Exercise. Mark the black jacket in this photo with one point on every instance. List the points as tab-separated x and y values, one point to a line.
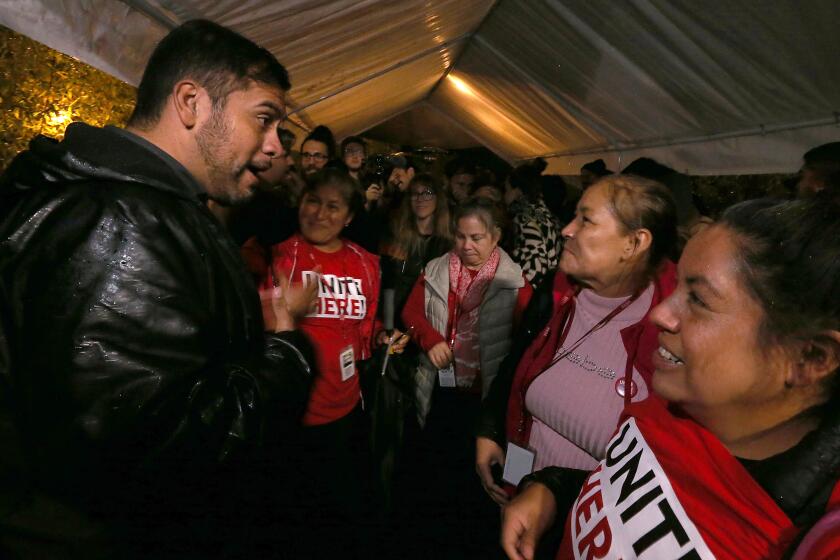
138	391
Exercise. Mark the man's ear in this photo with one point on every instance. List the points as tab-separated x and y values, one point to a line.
816	359
410	173
185	98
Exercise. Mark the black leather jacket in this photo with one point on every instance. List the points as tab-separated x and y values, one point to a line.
135	376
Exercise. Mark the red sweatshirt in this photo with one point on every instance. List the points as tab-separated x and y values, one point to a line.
345	318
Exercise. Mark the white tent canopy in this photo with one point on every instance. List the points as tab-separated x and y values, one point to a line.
715	87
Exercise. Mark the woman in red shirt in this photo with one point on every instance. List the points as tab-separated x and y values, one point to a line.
341	328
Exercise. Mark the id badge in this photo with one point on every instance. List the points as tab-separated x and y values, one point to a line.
519	462
446	376
347	363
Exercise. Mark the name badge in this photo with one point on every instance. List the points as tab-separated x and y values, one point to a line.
347	363
519	462
446	376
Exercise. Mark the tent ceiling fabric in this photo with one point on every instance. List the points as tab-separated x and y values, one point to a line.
424	125
712	87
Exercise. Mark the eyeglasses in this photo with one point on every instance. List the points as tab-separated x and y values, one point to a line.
354	152
421	196
316	155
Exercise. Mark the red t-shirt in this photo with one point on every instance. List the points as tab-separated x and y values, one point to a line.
347	298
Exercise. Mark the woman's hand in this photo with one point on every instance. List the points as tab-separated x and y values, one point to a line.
440	355
525	520
399	338
487	454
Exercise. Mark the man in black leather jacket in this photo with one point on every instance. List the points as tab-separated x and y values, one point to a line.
143	403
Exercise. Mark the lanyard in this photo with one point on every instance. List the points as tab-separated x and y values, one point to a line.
456	314
599	325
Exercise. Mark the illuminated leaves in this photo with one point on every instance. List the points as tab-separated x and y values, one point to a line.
42	91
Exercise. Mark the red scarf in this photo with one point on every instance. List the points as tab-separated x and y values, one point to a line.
469	292
668	488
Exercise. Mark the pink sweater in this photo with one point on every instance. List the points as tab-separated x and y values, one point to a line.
575	403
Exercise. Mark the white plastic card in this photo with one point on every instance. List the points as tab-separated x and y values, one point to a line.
519	462
446	376
347	363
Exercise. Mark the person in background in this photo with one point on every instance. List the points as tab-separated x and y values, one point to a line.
820	171
462	313
556	197
316	150
585	348
742	460
460	175
420	232
403	170
591	172
487	186
689	219
535	241
145	402
342	328
354	153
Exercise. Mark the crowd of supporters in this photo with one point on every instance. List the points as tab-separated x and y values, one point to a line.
212	347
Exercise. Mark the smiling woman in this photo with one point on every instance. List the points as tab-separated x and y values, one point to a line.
342	328
748	361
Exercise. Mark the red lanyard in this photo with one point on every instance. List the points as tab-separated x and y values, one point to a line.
456	313
599	325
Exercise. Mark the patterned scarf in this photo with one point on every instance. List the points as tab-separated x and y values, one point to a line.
469	292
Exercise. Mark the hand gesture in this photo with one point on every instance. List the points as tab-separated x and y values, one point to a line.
284	304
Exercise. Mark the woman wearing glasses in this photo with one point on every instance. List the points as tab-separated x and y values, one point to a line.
420	232
462	313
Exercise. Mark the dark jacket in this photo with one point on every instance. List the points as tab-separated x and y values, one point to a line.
136	382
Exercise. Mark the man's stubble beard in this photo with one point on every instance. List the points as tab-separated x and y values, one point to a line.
212	141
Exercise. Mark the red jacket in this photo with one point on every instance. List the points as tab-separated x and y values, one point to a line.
640	341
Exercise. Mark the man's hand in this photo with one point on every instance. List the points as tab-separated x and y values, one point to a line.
284	305
440	355
373	193
525	520
487	454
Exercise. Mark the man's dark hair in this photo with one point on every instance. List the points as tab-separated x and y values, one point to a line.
218	59
459	166
526	178
824	161
353	140
323	134
597	167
